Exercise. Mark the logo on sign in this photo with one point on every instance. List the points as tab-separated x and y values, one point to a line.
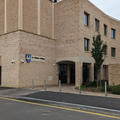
28	58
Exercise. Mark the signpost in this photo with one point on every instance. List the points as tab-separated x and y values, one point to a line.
106	88
79	87
60	86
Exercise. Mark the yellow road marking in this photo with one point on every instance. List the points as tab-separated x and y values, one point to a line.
62	108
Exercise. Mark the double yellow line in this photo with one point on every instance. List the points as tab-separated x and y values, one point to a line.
61	107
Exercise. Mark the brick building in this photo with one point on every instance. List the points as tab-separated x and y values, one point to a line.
57	36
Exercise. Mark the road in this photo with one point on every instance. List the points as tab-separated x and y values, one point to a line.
12	109
95	101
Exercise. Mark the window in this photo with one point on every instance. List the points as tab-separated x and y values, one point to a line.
86	19
105	51
113	33
96	25
86	44
113	52
105	29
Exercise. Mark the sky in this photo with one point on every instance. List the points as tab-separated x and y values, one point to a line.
110	7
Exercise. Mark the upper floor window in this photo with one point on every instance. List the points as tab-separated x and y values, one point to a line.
86	44
105	51
105	29
97	25
113	52
86	19
113	33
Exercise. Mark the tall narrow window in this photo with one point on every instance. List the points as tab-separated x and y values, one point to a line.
105	29
105	51
96	25
113	33
113	52
86	19
86	44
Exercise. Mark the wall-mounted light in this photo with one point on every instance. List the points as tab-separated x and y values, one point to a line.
53	1
13	61
54	65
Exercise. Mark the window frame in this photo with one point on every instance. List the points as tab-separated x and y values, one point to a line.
86	48
106	51
105	29
97	25
86	19
113	54
113	33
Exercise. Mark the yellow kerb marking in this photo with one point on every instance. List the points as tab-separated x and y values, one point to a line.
62	108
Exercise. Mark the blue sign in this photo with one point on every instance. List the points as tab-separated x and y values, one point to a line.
28	58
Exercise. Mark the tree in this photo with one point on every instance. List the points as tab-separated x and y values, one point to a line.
98	54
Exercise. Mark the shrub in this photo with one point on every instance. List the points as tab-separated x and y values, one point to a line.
94	83
112	89
89	84
102	83
115	89
103	88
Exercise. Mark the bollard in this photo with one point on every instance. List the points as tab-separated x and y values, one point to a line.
79	87
60	86
32	84
45	85
105	88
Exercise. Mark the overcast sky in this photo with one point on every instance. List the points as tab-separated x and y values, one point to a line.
110	7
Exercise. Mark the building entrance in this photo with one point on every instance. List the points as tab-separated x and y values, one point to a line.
86	71
67	72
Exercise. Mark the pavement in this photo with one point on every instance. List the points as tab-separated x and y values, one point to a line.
65	89
14	92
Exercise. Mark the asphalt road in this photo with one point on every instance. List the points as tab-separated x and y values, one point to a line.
103	102
17	110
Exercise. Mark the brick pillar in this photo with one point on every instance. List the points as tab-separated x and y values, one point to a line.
68	74
91	73
78	72
57	73
102	73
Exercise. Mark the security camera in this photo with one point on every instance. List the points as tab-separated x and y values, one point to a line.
22	61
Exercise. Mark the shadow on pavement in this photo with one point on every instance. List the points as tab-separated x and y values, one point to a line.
5	88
